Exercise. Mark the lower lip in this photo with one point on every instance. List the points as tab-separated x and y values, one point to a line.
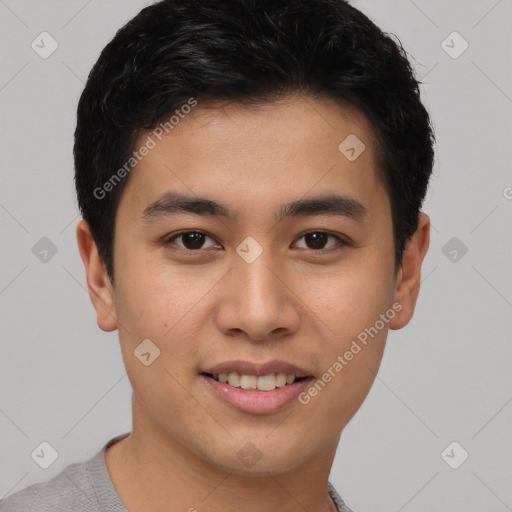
257	402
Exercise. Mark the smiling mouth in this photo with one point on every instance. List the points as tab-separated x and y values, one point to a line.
268	382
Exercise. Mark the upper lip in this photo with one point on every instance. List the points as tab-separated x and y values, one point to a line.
258	369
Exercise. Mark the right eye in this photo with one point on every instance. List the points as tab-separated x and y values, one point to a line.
190	240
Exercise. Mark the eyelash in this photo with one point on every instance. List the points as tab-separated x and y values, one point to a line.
341	242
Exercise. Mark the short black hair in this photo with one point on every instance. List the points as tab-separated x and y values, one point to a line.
250	52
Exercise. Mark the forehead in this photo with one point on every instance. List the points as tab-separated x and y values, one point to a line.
260	154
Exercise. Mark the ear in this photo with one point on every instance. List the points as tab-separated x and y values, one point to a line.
408	279
100	289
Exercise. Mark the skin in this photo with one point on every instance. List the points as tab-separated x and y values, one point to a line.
289	304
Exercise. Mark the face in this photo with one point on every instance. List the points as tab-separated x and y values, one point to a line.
289	275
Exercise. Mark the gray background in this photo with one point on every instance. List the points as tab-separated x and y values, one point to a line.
445	377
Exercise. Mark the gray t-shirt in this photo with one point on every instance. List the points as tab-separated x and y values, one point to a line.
85	487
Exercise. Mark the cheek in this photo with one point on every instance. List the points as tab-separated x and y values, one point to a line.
152	297
349	372
348	300
151	307
361	330
163	305
351	305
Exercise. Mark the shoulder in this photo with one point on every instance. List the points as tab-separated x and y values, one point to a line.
80	487
340	504
71	489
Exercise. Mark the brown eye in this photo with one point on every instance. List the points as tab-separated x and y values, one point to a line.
191	240
317	240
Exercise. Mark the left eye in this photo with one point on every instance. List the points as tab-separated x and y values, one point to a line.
318	239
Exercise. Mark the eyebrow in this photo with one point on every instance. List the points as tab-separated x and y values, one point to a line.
174	203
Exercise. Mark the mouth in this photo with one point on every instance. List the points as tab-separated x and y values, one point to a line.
265	383
256	388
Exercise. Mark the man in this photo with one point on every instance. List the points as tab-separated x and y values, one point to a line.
250	175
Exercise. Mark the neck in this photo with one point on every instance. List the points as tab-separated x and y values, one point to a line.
154	473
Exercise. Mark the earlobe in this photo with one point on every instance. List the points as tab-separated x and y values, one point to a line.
99	286
409	276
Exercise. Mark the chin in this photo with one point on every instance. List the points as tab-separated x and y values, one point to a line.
260	456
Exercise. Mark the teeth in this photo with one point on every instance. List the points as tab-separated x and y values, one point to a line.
251	382
234	379
248	381
281	380
267	383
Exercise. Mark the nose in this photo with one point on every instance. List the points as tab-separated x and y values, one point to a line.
258	303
